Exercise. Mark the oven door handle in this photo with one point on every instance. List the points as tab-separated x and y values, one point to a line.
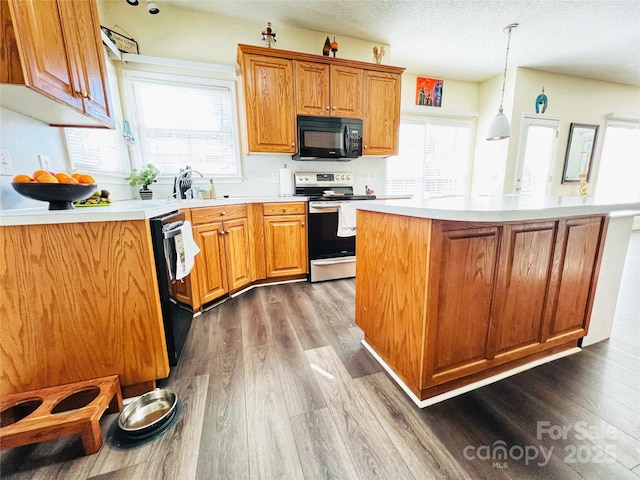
333	262
328	208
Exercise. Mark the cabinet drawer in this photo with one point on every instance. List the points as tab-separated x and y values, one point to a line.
213	214
283	208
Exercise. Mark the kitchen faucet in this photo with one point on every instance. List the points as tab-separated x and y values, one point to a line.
183	179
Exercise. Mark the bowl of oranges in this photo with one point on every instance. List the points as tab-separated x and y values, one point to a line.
59	189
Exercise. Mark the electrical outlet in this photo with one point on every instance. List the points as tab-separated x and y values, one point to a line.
275	178
366	177
45	162
5	162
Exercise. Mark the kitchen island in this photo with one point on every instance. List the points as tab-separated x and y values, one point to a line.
454	293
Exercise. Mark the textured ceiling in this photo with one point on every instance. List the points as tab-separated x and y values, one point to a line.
464	39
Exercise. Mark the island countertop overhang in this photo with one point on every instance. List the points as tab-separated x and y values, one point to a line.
506	208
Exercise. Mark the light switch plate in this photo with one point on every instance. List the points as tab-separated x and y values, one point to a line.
45	162
5	162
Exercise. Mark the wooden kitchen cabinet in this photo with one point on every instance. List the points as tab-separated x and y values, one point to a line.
54	58
472	299
223	264
381	113
328	90
356	89
285	234
270	112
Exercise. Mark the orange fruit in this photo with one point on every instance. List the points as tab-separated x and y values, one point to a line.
22	178
37	173
66	179
61	175
47	178
76	175
86	179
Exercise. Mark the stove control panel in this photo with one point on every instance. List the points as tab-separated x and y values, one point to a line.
315	179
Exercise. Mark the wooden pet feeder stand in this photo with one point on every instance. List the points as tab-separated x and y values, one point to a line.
39	415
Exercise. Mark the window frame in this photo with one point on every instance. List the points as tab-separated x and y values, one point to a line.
442	121
116	133
135	152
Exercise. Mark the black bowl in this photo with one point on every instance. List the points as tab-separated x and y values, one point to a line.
59	195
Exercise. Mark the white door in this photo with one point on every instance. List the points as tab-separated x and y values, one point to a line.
536	155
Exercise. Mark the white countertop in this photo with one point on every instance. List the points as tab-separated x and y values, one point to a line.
124	210
502	208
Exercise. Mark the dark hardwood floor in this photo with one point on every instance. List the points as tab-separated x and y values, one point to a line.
275	384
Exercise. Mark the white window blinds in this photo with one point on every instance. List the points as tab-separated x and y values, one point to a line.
181	121
100	150
433	158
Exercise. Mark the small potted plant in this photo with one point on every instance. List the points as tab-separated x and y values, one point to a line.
145	177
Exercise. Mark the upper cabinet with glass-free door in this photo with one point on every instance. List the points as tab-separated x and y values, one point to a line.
328	90
53	67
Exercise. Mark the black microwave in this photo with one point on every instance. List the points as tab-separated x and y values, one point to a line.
328	138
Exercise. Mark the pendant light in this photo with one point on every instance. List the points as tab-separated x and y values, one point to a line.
500	128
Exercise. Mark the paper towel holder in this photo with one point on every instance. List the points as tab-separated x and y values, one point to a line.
286	182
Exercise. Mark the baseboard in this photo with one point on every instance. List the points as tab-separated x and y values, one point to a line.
472	386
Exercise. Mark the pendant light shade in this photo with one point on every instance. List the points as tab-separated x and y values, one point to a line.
500	128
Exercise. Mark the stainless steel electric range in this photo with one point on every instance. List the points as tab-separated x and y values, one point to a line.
330	256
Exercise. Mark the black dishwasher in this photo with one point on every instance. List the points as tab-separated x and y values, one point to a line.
176	316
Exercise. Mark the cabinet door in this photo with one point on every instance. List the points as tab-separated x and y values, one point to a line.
236	234
575	272
271	117
87	54
346	92
211	271
312	89
285	245
521	287
42	37
381	114
462	276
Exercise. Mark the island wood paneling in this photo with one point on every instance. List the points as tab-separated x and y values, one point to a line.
580	248
391	273
256	241
463	265
521	286
79	301
479	298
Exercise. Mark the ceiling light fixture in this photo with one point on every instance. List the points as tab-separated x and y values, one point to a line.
500	128
133	2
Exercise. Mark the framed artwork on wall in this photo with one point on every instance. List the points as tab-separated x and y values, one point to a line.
429	91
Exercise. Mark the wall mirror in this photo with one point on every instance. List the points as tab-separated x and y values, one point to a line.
580	147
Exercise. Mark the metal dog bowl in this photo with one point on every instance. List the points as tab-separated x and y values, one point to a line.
148	413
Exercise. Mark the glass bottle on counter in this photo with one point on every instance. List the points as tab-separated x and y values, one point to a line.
212	189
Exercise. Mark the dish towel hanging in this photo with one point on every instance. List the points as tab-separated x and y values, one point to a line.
346	220
179	248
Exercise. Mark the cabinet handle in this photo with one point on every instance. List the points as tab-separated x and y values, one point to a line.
284	209
293	144
81	93
302	224
366	146
328	107
223	214
227	232
221	232
334	107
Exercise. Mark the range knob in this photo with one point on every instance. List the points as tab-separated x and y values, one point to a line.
348	177
306	178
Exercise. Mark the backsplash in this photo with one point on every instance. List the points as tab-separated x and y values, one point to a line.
27	138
